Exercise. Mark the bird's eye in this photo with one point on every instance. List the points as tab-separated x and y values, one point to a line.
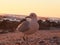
32	15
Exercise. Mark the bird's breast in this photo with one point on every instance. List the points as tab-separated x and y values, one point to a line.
34	25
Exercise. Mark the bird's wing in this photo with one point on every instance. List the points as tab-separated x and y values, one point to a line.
23	27
22	20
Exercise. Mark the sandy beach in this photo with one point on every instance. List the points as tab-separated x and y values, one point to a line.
36	37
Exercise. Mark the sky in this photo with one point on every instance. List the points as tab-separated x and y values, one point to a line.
45	8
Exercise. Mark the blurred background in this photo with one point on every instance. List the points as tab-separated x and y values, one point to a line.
9	23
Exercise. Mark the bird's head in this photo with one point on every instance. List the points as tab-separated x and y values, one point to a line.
32	16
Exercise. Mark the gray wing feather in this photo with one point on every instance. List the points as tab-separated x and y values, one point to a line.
23	27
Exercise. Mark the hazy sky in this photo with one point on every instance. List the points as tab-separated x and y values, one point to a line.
49	8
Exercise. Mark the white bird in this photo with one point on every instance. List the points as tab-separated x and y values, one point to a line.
29	26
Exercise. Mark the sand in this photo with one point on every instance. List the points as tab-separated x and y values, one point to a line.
17	38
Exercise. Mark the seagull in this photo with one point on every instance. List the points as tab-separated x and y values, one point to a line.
30	25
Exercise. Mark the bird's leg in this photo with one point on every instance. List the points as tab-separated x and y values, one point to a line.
25	38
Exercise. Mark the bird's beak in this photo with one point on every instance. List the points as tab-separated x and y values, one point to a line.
27	17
